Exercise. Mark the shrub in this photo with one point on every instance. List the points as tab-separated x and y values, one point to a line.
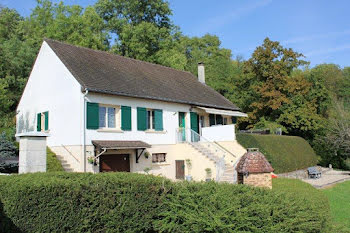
71	202
53	164
285	153
8	155
212	207
7	148
126	202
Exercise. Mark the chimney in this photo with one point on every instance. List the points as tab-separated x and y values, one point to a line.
201	73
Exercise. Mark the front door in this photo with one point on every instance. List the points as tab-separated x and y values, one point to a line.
180	169
115	163
182	126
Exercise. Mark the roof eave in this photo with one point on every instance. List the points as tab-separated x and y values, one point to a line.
160	99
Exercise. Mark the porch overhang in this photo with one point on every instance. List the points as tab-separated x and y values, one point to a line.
119	145
223	112
102	146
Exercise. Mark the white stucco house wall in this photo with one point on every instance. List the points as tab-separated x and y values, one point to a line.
106	112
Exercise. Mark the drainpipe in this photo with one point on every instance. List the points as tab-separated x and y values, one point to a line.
84	129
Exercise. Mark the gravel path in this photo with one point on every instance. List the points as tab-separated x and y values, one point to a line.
329	177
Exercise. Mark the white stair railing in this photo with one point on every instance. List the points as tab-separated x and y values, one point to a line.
218	152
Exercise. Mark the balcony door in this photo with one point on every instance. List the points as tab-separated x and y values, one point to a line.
182	126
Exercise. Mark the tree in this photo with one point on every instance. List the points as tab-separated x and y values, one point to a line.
219	67
138	27
7	149
334	145
70	24
270	67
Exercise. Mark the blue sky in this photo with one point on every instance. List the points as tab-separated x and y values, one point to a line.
320	29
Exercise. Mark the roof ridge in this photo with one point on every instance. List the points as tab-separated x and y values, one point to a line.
118	55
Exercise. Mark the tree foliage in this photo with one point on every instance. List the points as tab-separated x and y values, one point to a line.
274	86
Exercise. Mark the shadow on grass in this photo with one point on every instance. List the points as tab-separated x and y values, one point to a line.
6	224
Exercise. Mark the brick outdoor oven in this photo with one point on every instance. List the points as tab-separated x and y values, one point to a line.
254	169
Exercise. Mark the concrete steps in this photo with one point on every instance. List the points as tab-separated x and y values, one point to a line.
66	166
206	152
229	171
228	175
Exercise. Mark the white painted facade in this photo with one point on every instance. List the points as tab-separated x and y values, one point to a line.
51	87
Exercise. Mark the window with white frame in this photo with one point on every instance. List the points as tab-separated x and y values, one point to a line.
150	119
158	157
108	117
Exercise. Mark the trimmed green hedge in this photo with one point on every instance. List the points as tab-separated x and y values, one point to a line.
53	164
125	202
285	153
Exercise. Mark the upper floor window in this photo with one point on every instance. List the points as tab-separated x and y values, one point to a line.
42	123
215	119
99	116
150	119
108	116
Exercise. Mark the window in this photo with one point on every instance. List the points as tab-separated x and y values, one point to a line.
158	157
215	119
150	119
42	121
99	116
225	120
107	117
201	121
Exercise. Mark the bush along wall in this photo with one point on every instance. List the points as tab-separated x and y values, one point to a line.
124	202
285	153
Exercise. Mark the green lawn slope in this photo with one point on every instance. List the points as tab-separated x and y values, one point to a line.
285	153
53	164
339	199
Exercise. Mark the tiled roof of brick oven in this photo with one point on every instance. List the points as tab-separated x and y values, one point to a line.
253	162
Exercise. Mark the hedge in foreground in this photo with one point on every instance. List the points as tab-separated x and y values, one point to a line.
124	202
285	153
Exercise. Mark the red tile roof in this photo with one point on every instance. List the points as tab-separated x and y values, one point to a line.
253	162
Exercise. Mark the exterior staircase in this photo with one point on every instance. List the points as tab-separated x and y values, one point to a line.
66	166
229	170
229	174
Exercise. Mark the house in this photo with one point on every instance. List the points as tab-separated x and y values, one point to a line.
106	112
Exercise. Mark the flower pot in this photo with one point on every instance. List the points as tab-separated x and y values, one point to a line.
189	178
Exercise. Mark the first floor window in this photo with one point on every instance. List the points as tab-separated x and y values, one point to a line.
158	158
225	120
107	117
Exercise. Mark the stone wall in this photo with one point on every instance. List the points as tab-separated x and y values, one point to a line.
259	180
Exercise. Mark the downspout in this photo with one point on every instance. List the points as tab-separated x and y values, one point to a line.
84	129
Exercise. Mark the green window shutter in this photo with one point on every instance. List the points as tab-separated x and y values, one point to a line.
126	118
211	119
219	120
92	115
234	120
158	117
194	122
141	119
46	120
38	122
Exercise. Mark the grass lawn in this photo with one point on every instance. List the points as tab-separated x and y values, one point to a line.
339	200
335	200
